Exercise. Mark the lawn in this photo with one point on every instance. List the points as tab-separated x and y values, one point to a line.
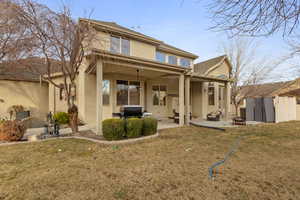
172	166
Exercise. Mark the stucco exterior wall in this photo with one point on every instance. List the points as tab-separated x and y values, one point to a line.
137	48
223	69
55	103
32	95
100	41
197	99
297	112
142	50
285	109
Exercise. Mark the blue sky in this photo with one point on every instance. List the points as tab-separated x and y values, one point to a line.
183	25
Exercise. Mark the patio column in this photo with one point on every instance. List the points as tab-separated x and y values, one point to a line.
181	99
187	100
99	100
227	100
204	99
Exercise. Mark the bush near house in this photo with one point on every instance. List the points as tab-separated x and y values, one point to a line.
61	117
134	127
149	126
118	129
11	130
113	129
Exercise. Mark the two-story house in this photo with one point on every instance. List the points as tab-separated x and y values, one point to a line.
124	67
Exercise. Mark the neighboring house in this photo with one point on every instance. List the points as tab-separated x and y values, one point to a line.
277	101
124	67
22	86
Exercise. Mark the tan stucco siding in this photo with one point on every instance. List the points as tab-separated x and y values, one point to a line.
142	50
101	41
298	112
196	95
285	109
55	103
137	48
223	69
32	95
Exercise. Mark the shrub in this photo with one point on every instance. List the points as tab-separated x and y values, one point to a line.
134	127
11	130
149	126
113	129
61	117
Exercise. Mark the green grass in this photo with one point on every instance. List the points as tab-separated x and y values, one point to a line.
172	166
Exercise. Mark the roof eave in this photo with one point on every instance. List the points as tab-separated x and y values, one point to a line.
137	60
185	54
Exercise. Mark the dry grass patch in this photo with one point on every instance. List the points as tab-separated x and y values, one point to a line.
173	166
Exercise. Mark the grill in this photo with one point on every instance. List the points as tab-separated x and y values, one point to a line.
131	111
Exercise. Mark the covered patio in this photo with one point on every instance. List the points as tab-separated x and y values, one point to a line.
158	87
200	100
109	82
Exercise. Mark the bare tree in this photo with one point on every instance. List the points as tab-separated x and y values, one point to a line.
247	67
60	41
13	37
256	17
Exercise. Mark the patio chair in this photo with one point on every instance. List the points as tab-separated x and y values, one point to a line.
214	116
176	116
238	121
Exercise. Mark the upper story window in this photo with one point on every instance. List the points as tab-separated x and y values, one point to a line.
160	57
184	62
172	60
125	47
119	45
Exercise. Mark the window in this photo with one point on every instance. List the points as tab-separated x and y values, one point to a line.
172	60
159	95
128	92
106	91
184	62
122	92
298	100
211	94
115	44
125	47
119	45
160	57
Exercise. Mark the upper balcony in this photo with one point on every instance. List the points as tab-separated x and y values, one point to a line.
119	40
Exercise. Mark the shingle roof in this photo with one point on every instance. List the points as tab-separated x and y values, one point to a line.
295	92
204	66
263	90
25	69
160	43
